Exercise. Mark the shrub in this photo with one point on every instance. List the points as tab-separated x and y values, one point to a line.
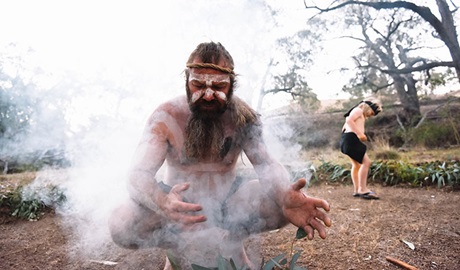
31	205
334	172
433	134
393	172
387	154
282	261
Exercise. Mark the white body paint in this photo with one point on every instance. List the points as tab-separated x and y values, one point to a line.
209	80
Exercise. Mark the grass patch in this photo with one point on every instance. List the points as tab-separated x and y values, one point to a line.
21	197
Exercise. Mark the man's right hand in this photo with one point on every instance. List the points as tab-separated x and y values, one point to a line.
175	209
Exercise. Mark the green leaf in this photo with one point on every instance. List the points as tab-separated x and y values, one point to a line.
197	267
283	262
298	268
232	264
294	260
222	263
301	233
274	262
173	261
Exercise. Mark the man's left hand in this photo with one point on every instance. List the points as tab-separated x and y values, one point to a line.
306	212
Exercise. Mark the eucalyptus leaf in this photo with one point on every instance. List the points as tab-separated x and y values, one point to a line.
197	267
294	260
301	233
274	262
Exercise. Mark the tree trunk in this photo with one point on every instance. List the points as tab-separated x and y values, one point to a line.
407	93
449	35
262	89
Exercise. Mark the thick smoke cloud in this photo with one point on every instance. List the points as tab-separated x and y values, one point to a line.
116	61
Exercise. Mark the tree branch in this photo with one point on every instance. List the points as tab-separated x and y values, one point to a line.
423	67
424	12
435	109
276	90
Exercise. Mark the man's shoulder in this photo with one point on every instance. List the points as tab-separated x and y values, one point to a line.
175	104
176	107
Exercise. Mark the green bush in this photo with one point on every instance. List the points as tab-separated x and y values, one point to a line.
387	154
334	172
433	135
31	205
282	261
393	172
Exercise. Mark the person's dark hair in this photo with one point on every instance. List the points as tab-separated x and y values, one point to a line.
211	52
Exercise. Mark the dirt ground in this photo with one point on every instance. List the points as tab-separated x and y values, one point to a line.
363	234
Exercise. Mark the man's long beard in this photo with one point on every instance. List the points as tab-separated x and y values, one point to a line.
204	138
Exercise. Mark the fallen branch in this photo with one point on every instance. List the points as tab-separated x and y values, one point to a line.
104	262
401	263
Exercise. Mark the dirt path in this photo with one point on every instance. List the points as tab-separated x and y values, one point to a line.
363	234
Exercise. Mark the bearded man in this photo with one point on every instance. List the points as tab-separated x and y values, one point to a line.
198	205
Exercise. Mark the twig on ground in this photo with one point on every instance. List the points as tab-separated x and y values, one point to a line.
401	263
104	262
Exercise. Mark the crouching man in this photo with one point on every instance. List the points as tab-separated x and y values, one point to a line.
198	206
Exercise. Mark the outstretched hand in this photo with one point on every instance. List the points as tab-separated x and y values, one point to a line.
306	212
175	209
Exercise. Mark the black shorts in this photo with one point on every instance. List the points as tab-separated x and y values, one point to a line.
351	146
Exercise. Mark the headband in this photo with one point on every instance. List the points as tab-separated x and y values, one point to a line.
373	106
213	66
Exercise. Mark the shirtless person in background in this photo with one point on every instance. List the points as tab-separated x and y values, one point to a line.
351	145
200	136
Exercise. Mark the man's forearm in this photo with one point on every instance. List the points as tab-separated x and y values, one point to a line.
276	179
144	189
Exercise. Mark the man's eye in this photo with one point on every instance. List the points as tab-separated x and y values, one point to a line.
198	84
219	87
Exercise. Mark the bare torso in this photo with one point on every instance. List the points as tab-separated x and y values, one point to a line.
211	177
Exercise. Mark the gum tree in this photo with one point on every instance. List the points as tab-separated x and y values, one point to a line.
444	27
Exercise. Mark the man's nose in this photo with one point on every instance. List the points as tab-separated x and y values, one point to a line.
209	94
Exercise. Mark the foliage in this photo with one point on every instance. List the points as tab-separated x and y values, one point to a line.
35	161
288	72
432	135
393	172
439	131
281	262
442	172
387	154
31	204
335	172
277	262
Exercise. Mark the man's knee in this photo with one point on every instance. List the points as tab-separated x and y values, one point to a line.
120	229
252	208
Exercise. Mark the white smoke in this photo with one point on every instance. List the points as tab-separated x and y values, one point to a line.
118	60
